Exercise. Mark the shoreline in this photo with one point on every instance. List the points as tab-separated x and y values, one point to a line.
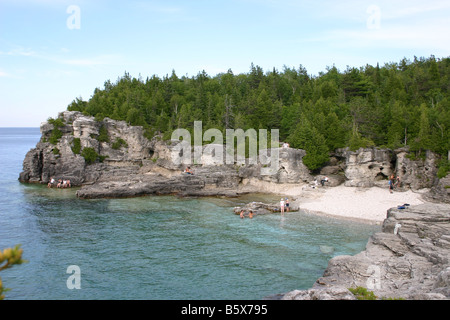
366	205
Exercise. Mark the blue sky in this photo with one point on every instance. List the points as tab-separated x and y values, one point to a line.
54	51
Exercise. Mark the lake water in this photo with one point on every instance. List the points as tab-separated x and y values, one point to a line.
157	247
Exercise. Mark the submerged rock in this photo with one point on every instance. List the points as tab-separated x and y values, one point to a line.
263	208
326	249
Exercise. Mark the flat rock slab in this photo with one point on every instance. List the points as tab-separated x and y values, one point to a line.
409	259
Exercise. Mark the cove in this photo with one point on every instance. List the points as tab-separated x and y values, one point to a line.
165	247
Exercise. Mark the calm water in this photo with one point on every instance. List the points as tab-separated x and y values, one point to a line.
156	247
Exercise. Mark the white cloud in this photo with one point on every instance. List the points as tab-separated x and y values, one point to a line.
19	51
405	25
435	36
60	56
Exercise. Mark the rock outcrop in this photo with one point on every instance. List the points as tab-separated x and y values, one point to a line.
126	164
409	259
122	162
61	160
373	167
259	208
440	191
367	167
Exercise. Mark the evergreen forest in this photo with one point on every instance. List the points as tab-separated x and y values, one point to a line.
404	104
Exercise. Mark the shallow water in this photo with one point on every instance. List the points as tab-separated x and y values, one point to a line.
157	247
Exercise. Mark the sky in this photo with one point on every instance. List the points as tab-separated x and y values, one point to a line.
52	52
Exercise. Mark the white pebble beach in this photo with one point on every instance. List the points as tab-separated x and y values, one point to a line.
368	204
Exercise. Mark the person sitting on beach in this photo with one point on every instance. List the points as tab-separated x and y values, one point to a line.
322	182
188	170
51	183
59	185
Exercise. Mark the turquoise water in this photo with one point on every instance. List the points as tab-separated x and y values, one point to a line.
157	247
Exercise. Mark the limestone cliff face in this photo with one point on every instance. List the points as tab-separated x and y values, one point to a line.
125	163
367	167
61	160
128	164
372	167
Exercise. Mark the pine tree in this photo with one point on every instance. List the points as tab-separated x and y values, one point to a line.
308	138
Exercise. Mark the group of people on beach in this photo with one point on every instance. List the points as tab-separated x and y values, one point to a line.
62	183
393	183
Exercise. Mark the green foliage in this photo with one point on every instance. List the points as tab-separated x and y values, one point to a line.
395	105
103	134
56	134
356	141
89	155
55	151
444	168
119	143
57	123
308	137
362	293
76	148
8	258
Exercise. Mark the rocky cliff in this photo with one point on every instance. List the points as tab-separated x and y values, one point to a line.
122	163
109	158
409	259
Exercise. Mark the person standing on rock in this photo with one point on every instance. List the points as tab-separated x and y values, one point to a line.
287	205
282	203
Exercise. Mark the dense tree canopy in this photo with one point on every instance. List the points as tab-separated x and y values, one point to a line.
399	104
